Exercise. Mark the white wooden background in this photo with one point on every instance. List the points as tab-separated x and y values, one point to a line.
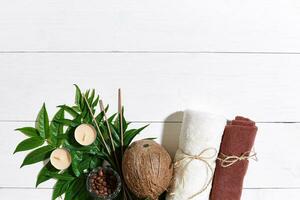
226	56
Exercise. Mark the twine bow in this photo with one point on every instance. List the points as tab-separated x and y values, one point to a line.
202	158
229	160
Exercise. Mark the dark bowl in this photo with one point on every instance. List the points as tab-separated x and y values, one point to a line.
111	196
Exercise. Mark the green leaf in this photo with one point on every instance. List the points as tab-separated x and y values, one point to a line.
66	122
85	110
29	143
44	173
117	122
76	108
125	123
62	137
73	190
100	116
56	128
85	163
150	138
91	98
115	135
38	155
69	110
42	124
111	118
60	188
95	162
63	176
83	194
130	135
76	159
29	131
87	93
95	103
78	96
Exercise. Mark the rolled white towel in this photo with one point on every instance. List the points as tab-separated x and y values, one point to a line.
195	159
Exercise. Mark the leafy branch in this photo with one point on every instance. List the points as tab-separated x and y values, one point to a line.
113	137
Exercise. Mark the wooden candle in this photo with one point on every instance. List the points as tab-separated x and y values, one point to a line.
60	158
85	134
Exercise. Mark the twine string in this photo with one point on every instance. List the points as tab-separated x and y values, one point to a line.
229	160
225	161
204	156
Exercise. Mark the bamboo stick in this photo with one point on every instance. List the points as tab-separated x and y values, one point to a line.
107	123
96	123
110	135
120	111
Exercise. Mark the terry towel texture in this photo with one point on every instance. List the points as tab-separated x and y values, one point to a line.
201	132
238	138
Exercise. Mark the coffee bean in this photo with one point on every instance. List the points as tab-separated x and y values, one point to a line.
103	183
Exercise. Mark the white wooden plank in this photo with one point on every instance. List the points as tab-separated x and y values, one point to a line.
155	86
270	194
276	145
257	194
216	25
19	193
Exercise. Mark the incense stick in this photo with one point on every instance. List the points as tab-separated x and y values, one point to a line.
107	123
110	135
121	118
96	123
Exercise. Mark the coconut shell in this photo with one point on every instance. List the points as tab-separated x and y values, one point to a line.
147	169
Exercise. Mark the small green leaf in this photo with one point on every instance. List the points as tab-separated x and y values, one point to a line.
95	103
83	194
84	164
78	96
76	159
43	174
130	135
73	190
29	143
38	155
95	162
87	93
117	122
58	176
29	131
76	108
100	116
60	188
150	138
91	98
56	128
111	118
66	122
71	110
85	110
115	135
42	122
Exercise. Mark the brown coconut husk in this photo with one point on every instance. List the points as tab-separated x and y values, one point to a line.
147	168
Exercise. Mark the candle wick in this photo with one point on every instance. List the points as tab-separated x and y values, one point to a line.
57	158
83	139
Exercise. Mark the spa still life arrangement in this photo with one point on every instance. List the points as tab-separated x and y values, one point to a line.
93	155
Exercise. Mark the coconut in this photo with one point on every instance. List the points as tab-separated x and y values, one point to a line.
147	169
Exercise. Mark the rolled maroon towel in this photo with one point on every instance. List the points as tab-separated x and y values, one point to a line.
237	142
